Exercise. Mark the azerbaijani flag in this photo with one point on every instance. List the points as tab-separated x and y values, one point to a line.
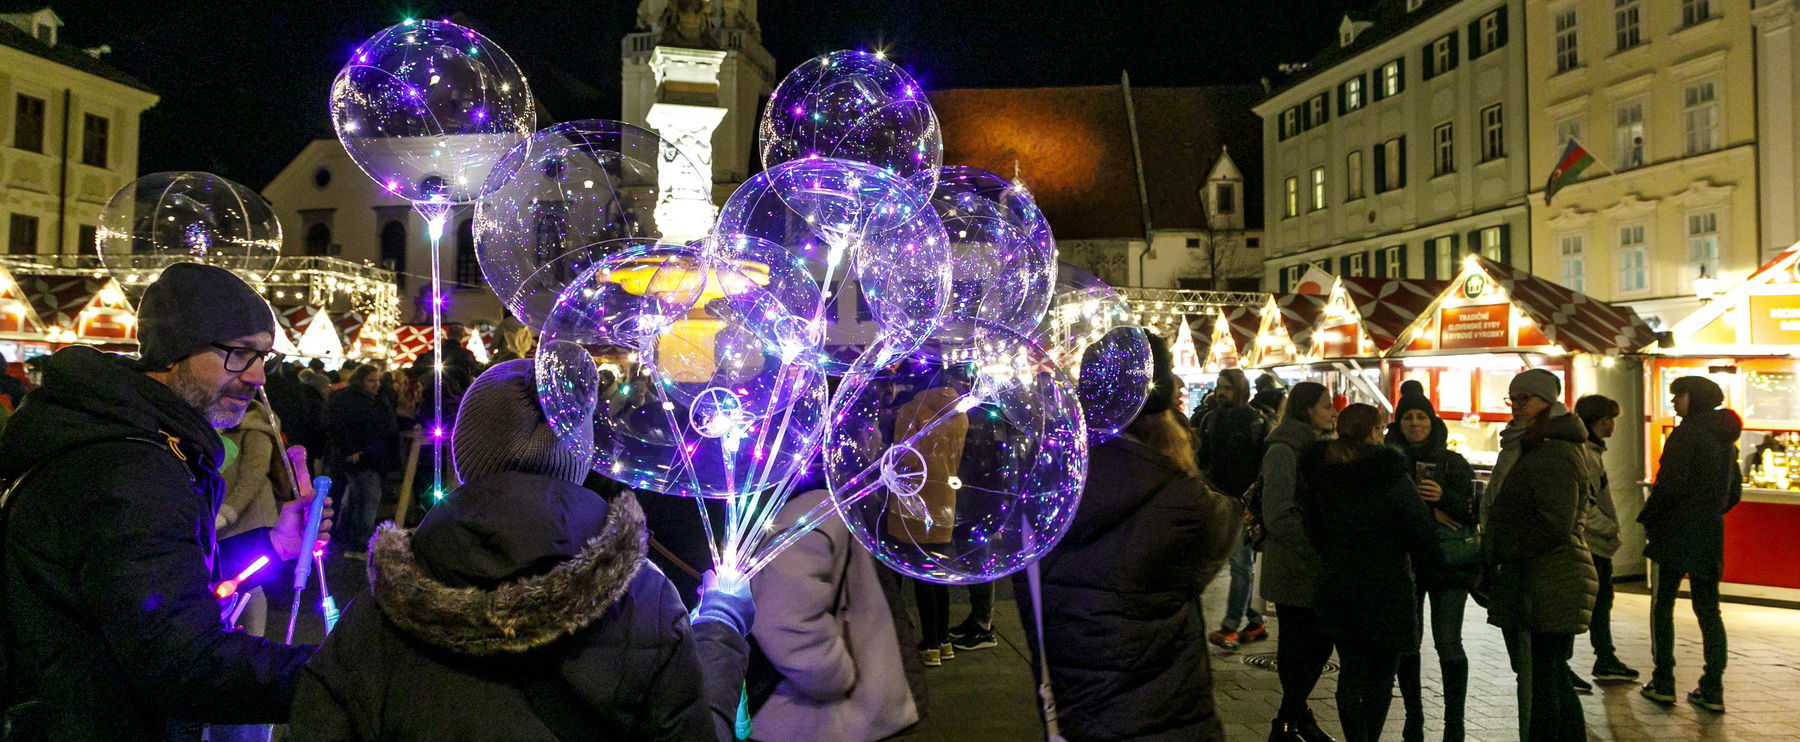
1575	158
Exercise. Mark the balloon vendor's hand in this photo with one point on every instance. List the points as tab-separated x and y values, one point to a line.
726	600
290	527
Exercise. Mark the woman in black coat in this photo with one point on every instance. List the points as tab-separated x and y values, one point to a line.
1123	629
1364	516
364	447
1446	483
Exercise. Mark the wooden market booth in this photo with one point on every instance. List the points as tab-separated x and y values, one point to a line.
1748	340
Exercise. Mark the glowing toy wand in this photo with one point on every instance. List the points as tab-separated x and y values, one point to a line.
303	569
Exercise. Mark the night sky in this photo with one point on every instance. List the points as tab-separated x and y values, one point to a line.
243	84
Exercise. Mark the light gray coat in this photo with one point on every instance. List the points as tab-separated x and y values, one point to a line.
842	677
1601	524
1290	563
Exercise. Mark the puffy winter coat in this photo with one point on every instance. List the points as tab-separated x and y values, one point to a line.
1370	527
1123	627
1697	482
1540	576
1290	569
823	622
109	558
1457	479
1601	525
252	499
1231	447
521	609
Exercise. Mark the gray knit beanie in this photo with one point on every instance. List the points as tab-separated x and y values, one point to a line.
500	427
1538	383
190	307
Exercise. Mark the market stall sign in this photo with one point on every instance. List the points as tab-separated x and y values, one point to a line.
1339	341
1774	319
1477	326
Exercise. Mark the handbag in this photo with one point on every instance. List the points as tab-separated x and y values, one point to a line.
1460	546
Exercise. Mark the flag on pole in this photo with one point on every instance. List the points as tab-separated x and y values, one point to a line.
1575	158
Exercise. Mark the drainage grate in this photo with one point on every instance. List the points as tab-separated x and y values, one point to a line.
1267	661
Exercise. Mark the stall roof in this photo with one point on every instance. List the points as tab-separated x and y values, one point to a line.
1243	322
1300	314
58	300
1566	318
1390	305
1751	315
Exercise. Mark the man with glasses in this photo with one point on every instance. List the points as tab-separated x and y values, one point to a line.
108	557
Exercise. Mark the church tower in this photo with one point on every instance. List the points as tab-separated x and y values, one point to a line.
696	73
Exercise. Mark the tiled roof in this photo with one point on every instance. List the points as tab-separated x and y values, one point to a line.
1390	305
66	55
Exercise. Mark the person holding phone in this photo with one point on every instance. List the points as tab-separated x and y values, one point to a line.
1446	483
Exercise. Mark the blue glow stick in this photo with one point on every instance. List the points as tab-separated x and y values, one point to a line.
303	566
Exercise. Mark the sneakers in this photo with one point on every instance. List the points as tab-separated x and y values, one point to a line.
1711	700
931	658
1226	640
1581	686
1659	692
975	638
947	651
1253	633
1611	668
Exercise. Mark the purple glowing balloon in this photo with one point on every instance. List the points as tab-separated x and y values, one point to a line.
852	106
1088	328
1004	254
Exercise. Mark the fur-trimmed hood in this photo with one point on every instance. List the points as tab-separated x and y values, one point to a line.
507	563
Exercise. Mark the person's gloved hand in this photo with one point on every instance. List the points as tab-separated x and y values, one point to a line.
726	600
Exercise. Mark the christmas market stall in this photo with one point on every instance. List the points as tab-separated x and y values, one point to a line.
1748	340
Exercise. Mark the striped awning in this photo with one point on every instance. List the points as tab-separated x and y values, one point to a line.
1390	305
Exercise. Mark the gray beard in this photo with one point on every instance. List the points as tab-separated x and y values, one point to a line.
209	403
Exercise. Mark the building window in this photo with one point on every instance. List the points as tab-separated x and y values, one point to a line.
1225	198
1493	134
1633	273
1627	24
392	240
1392	79
318	239
1193	242
1492	244
22	236
1253	242
1573	271
1694	12
1443	149
1628	134
1441	253
87	237
322	177
1352	96
1390	263
1390	165
1290	276
1439	57
1703	245
1293	197
1568	44
28	124
468	267
1356	265
1318	188
1315	111
1492	28
1353	175
1568	130
1700	116
94	134
1290	123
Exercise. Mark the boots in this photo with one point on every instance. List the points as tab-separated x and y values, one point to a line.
1456	690
1412	698
1304	729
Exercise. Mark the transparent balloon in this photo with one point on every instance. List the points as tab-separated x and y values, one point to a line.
427	108
1002	250
869	239
857	106
958	468
1114	380
1082	310
569	195
174	217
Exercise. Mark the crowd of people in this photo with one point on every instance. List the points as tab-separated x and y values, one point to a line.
538	600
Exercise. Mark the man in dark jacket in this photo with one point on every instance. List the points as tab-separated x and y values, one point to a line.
1697	482
111	627
1230	454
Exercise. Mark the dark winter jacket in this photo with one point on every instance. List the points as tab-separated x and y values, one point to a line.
1540	576
1454	475
109	557
1290	563
1696	483
1231	447
1370	527
505	617
1123	626
363	424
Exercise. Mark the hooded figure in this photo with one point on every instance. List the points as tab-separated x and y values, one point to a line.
521	608
1123	627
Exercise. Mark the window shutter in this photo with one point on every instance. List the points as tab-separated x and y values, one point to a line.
1343	262
1474	241
1401	171
1281	279
1500	27
1431	267
1427	67
1454	52
1324	109
1506	244
1400	67
1340	98
1475	39
1403	272
1381	183
1303	114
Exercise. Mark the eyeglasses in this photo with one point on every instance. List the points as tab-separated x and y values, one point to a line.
239	359
1519	400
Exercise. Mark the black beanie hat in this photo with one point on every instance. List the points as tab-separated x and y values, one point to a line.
1414	402
1162	377
190	307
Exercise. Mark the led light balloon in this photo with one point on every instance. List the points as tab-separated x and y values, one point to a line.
174	217
569	195
1002	250
1115	379
427	108
852	106
961	468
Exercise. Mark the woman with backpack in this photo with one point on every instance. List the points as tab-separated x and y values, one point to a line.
1364	516
1291	564
1446	483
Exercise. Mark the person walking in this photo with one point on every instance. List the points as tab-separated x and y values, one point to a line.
1540	578
1445	482
1697	482
1365	517
1291	564
1600	415
1230	455
1124	635
364	441
110	626
522	608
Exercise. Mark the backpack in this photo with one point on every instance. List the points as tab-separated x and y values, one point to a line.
1253	530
